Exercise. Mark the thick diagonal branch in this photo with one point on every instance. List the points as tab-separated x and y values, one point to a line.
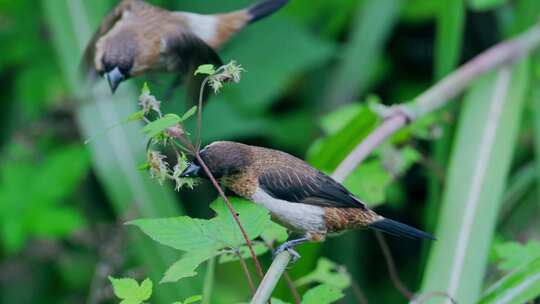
435	97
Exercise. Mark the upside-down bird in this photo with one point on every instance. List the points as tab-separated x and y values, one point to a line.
298	196
137	37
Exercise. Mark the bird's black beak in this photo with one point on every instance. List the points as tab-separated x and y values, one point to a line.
191	171
115	77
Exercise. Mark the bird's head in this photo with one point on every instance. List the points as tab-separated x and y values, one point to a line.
223	159
116	59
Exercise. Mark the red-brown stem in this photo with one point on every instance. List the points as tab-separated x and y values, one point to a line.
290	283
392	267
234	214
246	273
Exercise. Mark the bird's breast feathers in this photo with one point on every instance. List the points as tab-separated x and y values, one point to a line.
295	216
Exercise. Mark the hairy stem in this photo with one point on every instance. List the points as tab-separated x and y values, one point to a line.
438	95
234	214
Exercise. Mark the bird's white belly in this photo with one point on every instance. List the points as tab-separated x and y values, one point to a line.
296	216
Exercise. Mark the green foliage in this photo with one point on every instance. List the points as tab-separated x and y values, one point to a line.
519	286
328	152
205	69
157	126
369	182
203	239
512	255
185	266
483	5
130	292
322	294
327	273
190	300
189	234
32	205
486	134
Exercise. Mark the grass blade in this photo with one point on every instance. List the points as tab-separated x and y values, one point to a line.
479	165
517	287
373	23
116	153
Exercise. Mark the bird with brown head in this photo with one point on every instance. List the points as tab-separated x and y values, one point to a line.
298	196
137	37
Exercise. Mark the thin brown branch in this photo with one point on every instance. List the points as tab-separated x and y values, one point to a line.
392	267
292	288
246	272
234	214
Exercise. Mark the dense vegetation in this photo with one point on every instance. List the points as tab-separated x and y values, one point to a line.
315	77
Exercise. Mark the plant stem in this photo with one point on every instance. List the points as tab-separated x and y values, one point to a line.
264	292
438	95
246	273
501	54
234	214
209	281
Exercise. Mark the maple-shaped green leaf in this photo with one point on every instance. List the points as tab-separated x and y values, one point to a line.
190	234
185	267
327	272
322	294
130	292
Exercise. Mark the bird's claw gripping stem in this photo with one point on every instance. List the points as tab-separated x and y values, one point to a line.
289	246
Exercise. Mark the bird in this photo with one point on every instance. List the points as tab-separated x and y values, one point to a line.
298	196
137	37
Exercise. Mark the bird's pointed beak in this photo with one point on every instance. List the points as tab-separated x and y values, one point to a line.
115	77
191	171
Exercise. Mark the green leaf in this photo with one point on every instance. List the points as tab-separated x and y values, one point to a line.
129	291
369	182
135	116
449	38
519	286
258	248
322	294
274	233
189	113
328	152
145	89
481	158
157	126
334	121
484	5
205	69
193	299
327	272
371	28
514	255
189	234
185	267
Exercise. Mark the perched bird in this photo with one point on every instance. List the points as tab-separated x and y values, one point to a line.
297	195
137	37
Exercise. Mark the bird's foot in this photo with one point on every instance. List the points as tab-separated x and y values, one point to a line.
289	246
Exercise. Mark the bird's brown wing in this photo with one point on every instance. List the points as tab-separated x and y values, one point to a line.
307	186
87	63
192	52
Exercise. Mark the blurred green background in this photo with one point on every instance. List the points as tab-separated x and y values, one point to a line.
309	70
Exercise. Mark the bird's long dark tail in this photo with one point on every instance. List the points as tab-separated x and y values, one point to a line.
398	229
264	8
